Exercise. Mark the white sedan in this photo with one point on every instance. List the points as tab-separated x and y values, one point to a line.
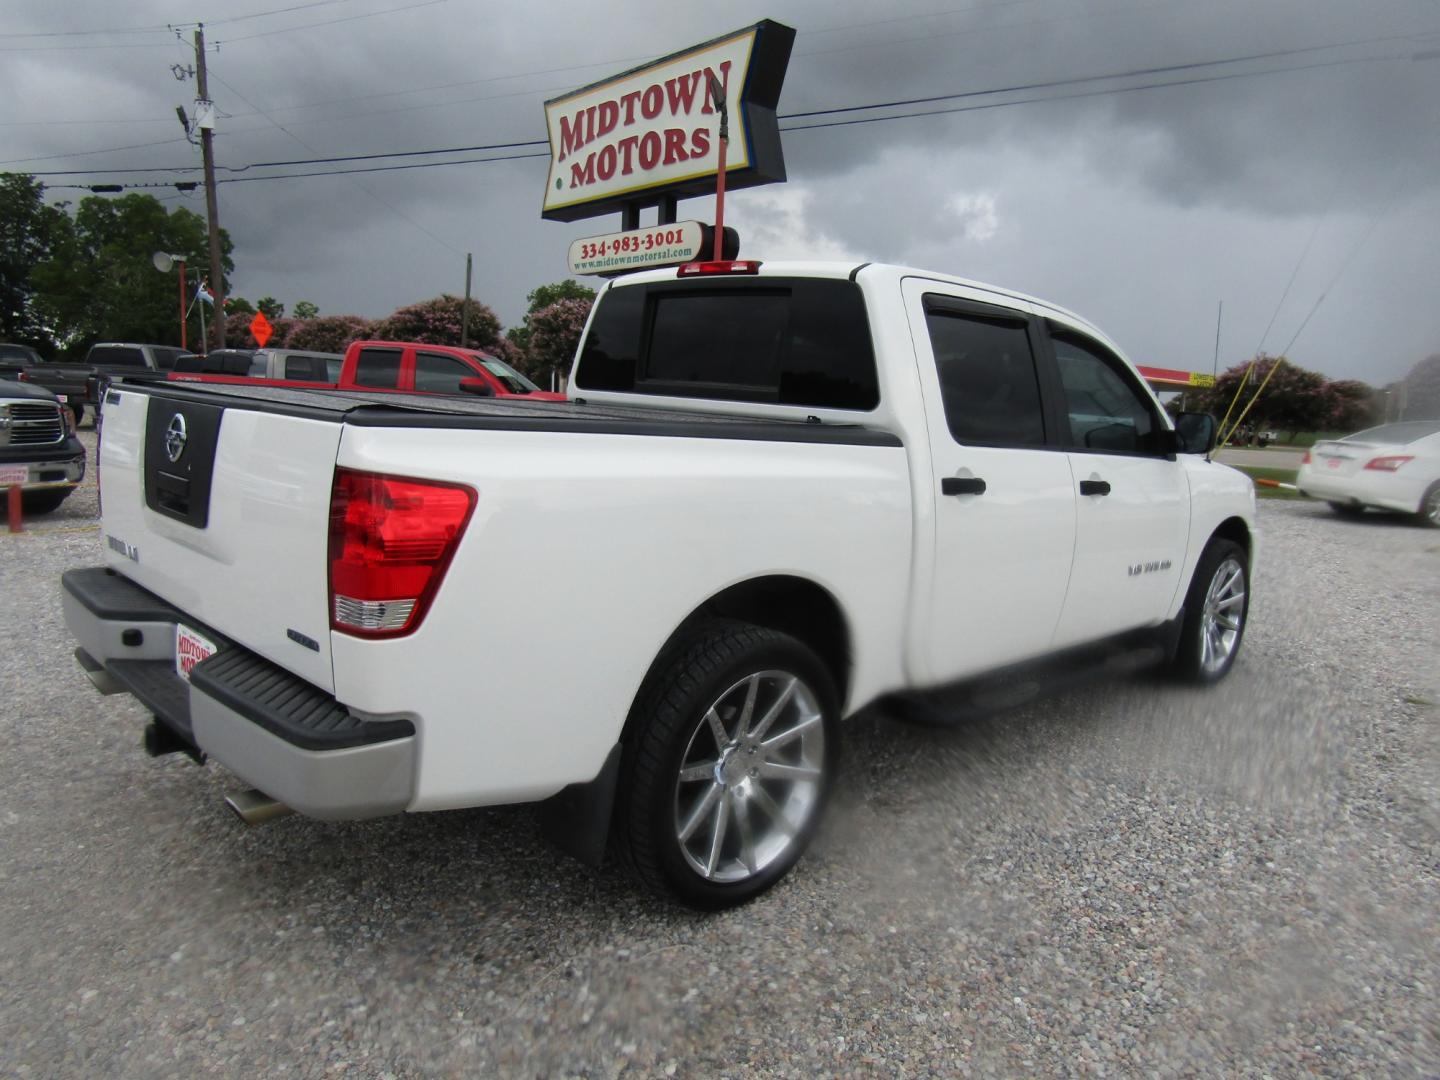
1391	467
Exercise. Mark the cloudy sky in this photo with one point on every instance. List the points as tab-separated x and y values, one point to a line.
1294	155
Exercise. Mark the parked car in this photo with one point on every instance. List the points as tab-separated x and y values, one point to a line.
387	367
779	492
291	365
39	451
1391	467
84	384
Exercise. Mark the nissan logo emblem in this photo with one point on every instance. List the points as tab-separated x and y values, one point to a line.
175	438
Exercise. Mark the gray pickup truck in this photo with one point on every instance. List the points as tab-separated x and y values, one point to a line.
79	385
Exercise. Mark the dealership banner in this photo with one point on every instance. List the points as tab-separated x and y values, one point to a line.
653	131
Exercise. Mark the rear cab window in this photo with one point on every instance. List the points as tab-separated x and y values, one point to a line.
782	341
116	356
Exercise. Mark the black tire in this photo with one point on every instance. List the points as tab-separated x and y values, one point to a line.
1193	661
78	408
1347	510
669	731
44	501
1429	512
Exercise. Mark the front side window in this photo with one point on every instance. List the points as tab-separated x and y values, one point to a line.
437	374
379	368
988	383
1106	413
511	379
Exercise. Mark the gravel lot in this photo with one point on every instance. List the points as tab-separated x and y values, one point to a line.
1131	878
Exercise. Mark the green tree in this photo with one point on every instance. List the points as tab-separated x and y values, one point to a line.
304	309
238	305
99	282
271	308
29	230
541	298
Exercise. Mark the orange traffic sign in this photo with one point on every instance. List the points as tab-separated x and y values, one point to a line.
261	328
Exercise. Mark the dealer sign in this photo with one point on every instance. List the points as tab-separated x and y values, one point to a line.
653	131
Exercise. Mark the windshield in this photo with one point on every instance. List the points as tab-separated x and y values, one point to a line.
511	379
1397	434
22	353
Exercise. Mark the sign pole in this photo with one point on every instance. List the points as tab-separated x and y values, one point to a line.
717	95
182	303
205	341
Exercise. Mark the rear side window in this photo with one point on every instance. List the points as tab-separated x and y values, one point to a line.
988	382
783	341
115	355
379	368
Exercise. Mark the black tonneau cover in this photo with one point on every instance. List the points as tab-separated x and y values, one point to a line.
506	414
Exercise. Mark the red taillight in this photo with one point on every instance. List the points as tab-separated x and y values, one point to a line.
1306	459
391	539
1389	463
724	266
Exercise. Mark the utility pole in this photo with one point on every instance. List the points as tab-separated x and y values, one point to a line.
205	120
465	308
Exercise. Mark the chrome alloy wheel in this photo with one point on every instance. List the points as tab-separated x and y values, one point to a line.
751	777
1430	506
1223	616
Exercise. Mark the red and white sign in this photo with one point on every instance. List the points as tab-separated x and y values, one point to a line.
655	130
658	245
190	649
14	474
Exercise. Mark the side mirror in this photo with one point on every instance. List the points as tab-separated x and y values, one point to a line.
477	386
1195	433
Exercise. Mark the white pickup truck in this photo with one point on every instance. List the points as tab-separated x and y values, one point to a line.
779	492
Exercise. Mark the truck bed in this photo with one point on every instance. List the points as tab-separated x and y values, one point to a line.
430	411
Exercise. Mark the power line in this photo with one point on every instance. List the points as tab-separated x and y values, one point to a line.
166	26
1091	93
978	107
382	201
329	22
845	110
1133	73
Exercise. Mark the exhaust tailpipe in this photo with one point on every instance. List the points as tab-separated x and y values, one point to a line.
256	808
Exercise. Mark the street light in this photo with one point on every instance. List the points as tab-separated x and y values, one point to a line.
165	262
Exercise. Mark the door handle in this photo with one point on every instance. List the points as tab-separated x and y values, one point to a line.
962	485
1094	487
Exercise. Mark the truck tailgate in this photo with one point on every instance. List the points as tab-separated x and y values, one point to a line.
223	511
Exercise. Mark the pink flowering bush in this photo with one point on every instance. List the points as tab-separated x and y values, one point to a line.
554	335
437	322
329	333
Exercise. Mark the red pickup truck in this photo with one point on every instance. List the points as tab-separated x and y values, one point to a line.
405	367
